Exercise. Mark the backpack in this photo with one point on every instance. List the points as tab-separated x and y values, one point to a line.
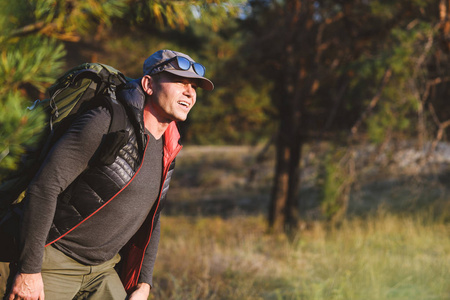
82	88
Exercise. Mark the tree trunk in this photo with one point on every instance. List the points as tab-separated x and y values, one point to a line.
284	206
277	218
284	211
292	208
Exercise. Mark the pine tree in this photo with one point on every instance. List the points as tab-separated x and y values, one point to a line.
347	72
33	34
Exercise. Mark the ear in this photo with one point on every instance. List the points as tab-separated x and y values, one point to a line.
147	84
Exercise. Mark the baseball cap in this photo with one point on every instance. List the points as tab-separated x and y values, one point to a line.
179	64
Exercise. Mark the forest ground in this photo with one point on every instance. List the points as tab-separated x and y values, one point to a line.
393	244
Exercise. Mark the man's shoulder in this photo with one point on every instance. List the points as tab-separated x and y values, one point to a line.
132	94
95	119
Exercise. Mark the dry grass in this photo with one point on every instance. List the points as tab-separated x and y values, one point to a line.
214	243
384	257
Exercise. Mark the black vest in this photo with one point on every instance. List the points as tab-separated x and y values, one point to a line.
99	184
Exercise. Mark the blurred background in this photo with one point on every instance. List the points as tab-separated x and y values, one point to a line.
318	168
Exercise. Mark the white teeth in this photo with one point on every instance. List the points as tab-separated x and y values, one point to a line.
183	103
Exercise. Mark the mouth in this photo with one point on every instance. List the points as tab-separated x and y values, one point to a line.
184	104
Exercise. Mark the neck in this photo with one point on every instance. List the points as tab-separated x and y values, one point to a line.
152	123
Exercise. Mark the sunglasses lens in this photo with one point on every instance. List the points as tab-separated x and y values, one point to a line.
183	63
199	69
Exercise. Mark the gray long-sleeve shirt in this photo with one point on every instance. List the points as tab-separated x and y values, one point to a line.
100	237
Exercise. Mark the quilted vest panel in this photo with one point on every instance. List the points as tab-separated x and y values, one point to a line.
94	187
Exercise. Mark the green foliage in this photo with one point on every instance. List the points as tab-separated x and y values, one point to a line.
172	13
20	129
216	13
405	53
332	180
233	114
59	19
27	66
400	99
179	14
32	60
12	15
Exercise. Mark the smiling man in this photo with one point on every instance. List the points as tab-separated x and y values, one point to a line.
110	253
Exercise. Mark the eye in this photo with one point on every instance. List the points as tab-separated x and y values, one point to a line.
189	82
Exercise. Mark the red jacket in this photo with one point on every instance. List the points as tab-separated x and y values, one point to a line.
133	252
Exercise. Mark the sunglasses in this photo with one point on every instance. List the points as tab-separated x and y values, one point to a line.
182	63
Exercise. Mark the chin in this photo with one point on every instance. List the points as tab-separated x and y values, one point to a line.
180	118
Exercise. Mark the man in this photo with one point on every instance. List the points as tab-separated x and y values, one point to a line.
81	214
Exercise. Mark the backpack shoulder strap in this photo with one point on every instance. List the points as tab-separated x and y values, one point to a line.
117	135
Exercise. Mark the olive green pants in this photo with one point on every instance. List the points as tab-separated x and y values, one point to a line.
4	274
66	279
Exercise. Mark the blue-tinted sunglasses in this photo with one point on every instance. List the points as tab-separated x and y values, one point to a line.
182	63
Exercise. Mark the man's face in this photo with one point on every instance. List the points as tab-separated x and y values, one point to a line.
173	96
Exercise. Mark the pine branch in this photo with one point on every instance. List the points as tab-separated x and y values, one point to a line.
28	29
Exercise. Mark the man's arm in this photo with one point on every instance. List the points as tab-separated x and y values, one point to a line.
65	161
143	288
146	275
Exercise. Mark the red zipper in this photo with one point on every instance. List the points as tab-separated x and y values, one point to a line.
166	171
132	178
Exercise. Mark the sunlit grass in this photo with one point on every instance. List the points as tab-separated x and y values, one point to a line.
382	257
400	253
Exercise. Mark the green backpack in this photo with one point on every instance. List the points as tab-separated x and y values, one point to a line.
81	88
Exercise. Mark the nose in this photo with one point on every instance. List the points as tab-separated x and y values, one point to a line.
190	90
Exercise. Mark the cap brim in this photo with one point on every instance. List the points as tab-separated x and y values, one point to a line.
203	82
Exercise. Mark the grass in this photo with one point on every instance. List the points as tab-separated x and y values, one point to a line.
383	257
394	244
